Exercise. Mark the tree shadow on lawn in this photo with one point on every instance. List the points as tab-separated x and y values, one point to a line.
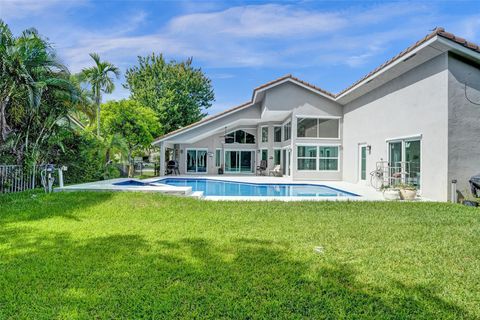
35	205
124	276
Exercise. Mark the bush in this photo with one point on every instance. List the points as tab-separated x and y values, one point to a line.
82	154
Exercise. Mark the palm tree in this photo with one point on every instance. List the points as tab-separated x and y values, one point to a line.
34	87
16	65
99	78
84	109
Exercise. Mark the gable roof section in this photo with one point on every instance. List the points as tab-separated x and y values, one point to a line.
439	31
265	86
295	80
436	32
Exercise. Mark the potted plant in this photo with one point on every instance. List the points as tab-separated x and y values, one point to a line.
390	193
469	200
407	191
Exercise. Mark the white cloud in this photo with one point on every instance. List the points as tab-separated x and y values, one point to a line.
255	36
251	36
15	9
221	75
258	21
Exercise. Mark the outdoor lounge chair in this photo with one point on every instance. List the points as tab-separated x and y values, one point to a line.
276	171
262	168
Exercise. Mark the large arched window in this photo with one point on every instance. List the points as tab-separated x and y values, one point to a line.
240	136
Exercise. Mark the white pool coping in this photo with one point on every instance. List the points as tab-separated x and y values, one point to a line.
110	185
364	192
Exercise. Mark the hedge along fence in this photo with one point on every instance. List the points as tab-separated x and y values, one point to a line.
15	178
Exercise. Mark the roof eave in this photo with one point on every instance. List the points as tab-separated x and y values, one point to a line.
381	71
460	49
256	91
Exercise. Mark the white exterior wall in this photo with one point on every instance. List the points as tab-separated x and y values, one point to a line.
304	103
427	102
211	144
270	145
464	122
415	103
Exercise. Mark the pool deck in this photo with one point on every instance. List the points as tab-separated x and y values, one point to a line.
365	192
109	185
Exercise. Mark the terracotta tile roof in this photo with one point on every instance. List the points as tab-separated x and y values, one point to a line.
470	45
436	32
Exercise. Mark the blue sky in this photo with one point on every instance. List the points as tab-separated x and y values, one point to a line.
242	44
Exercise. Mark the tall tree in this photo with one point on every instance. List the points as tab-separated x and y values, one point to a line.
101	81
177	92
84	108
137	125
34	90
9	76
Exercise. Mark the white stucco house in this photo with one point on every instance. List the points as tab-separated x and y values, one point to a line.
416	119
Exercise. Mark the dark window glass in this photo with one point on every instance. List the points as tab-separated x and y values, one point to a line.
307	128
277	134
250	138
239	136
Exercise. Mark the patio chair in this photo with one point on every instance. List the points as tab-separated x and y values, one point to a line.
262	168
276	171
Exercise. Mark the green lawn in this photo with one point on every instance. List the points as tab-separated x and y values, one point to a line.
132	255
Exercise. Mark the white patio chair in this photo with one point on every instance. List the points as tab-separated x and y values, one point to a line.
276	171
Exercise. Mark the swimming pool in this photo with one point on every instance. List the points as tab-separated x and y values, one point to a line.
212	187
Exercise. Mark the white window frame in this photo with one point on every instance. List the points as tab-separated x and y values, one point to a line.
404	139
281	133
261	153
359	153
239	150
241	144
329	158
219	158
186	160
280	159
318	126
284	131
318	145
309	158
261	134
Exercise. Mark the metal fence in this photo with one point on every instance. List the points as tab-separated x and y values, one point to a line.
15	178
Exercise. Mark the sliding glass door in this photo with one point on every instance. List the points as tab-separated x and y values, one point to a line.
239	161
395	155
404	160
412	157
196	160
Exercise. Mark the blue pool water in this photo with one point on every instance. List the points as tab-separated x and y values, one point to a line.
243	189
131	183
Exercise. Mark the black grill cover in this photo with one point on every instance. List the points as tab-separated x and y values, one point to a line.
475	184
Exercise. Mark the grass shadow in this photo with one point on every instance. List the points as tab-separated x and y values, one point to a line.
125	276
36	205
